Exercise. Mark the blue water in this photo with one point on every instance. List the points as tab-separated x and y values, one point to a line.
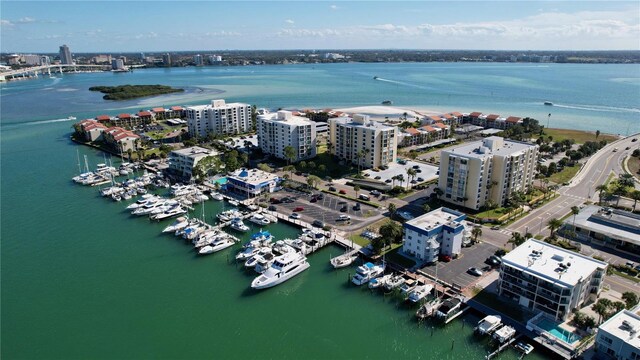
557	331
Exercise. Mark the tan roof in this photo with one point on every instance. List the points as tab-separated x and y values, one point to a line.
412	131
435	117
103	118
440	125
157	110
124	116
492	117
456	114
176	108
429	128
475	114
513	119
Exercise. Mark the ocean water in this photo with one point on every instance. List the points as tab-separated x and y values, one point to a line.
81	278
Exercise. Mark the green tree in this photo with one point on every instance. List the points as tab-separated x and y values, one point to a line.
400	178
322	168
619	191
289	168
554	224
290	154
516	240
392	232
264	167
635	195
438	192
377	244
602	191
630	299
243	159
411	173
356	188
231	161
313	181
597	134
476	232
575	211
130	153
601	307
392	209
625	180
426	207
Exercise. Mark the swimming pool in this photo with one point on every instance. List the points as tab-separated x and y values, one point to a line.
555	330
221	181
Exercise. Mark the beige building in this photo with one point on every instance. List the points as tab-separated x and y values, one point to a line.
491	169
219	118
282	129
363	141
182	162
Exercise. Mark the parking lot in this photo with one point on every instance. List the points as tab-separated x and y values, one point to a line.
425	173
326	210
455	271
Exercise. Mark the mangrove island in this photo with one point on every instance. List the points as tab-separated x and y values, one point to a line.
126	92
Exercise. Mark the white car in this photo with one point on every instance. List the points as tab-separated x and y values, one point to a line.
295	216
344	218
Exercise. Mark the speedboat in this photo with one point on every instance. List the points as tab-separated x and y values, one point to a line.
229	215
175	211
217	196
259	219
548	103
148	208
253	261
222	242
263	237
180	223
524	347
284	267
205	250
343	260
448	308
407	287
116	197
420	292
238	225
488	324
366	272
299	245
72	118
205	238
247	253
394	282
281	248
376	283
504	333
234	202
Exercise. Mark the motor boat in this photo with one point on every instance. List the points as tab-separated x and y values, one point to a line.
179	223
238	225
222	243
263	237
420	292
488	324
144	200
259	219
284	267
229	215
281	248
175	211
504	333
217	196
253	261
394	282
343	260
366	272
264	262
448	308
524	347
234	202
379	282
299	245
407	287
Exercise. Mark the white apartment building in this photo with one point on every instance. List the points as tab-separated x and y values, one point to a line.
363	141
490	169
182	162
252	182
619	337
219	118
279	130
552	280
440	231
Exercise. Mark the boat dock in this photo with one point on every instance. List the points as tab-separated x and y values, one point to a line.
459	313
503	346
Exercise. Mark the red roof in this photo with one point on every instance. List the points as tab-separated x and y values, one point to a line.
176	108
114	129
456	114
447	116
103	118
440	125
144	113
435	117
124	116
157	110
90	127
412	131
513	119
492	117
475	114
86	121
124	135
429	128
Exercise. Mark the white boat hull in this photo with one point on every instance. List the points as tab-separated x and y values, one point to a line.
275	281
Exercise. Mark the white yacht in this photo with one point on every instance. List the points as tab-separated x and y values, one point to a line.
366	272
174	211
238	225
234	202
265	261
420	292
144	200
376	283
253	261
148	208
283	268
299	245
343	260
229	215
281	248
504	333
488	324
217	196
407	287
259	219
220	243
180	223
394	282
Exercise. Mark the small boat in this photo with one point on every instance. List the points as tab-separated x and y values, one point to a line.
387	102
366	272
217	196
375	77
299	245
427	309
259	219
175	211
343	260
222	243
264	262
524	347
253	261
229	215
234	202
205	250
448	308
72	118
283	268
376	283
548	103
504	333
180	223
394	282
407	287
146	199
420	292
488	324
238	225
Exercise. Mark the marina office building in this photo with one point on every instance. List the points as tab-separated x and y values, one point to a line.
619	337
182	162
363	141
279	130
490	169
607	227
219	118
252	182
552	280
440	231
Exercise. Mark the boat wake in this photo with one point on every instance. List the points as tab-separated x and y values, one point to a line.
37	122
402	83
597	108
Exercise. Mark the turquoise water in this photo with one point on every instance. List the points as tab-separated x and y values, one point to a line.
82	278
557	331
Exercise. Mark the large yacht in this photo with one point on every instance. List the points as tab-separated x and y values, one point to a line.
283	268
366	272
259	219
180	223
171	212
238	225
229	215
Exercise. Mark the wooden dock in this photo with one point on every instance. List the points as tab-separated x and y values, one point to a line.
459	313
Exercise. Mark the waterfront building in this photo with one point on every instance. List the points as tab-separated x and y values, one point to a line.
322	127
619	337
197	60
117	64
159	112
438	232
491	121
278	130
219	118
252	182
65	55
166	59
121	139
547	278
362	141
423	135
103	118
490	169
617	229
30	59
129	120
182	162
92	129
176	112
101	59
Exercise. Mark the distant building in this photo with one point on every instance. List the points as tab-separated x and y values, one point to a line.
65	55
219	118
439	231
117	64
197	59
252	182
550	279
215	59
30	59
182	162
491	169
617	229
360	140
92	129
166	59
282	129
101	59
619	337
333	56
120	139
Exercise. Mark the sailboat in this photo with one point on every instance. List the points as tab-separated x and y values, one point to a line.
345	259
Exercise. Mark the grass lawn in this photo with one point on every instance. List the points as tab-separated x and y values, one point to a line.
393	256
578	135
492	300
565	175
492	214
362	241
333	167
625	275
634	165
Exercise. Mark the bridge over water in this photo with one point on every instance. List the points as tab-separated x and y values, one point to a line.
48	70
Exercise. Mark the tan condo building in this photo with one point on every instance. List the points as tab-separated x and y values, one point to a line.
219	118
491	169
363	141
282	129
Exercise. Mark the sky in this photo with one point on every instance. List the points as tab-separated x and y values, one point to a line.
133	26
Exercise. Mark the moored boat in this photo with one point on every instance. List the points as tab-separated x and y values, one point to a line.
283	268
488	324
259	219
366	272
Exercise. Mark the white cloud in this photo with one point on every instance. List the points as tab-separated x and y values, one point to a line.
289	21
6	23
26	20
317	33
333	7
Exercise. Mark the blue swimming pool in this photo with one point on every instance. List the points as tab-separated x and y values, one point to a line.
222	181
555	330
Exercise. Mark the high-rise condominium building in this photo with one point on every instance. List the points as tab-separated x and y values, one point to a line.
279	130
362	141
491	169
219	118
65	55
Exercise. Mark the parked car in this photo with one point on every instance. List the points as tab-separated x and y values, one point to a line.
272	208
299	208
344	208
275	200
313	199
492	261
375	192
295	216
378	177
495	227
364	197
388	181
420	179
332	188
444	258
319	196
474	271
343	218
342	191
357	207
416	167
318	223
634	140
366	174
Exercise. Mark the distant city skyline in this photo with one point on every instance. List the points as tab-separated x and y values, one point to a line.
95	26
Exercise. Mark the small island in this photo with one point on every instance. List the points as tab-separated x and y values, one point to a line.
126	92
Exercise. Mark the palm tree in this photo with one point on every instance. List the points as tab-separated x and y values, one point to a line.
392	209
625	180
516	240
602	308
554	224
602	191
438	192
635	195
289	154
575	211
400	178
411	173
358	156
476	232
356	188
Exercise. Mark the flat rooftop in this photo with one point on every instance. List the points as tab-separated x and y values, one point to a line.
617	224
435	218
480	150
555	264
625	325
286	118
347	121
195	151
253	176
